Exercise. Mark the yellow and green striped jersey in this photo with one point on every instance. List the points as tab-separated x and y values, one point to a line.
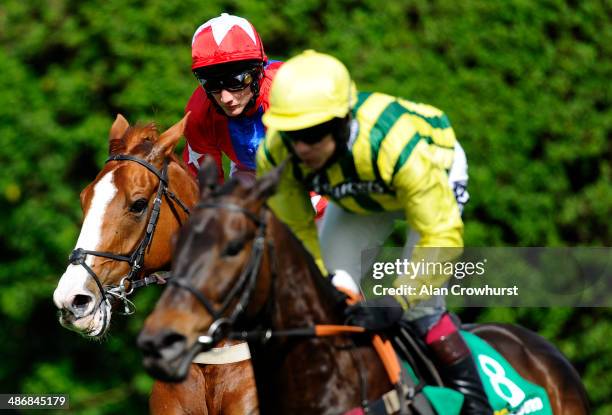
398	160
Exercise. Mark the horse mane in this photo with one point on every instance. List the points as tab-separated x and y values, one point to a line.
322	283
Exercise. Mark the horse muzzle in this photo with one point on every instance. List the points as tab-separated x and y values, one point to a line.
166	354
92	324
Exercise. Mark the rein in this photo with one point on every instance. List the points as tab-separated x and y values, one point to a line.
318	330
246	283
129	283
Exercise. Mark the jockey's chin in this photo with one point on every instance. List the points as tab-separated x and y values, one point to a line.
233	103
93	325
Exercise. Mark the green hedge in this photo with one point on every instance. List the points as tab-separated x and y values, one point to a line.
525	84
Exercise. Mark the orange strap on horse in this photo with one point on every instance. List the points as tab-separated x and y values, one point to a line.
384	348
389	358
322	330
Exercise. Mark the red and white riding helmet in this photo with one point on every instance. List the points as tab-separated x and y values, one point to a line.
223	39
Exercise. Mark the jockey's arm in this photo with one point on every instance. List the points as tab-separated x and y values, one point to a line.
198	143
292	206
193	159
431	210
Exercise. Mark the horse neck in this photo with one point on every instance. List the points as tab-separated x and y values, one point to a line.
300	293
323	368
172	216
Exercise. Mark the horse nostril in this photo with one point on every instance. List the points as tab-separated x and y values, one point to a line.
172	338
166	344
148	348
79	304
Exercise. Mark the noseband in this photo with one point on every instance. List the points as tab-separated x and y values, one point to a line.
243	287
128	283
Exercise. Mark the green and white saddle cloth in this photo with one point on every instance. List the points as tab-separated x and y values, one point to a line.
508	392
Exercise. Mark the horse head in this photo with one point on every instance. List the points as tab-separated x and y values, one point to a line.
238	272
219	273
131	210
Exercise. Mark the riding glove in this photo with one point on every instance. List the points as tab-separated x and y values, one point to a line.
377	314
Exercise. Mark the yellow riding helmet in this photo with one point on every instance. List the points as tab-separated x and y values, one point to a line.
309	89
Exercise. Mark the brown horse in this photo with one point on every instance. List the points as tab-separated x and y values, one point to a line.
131	211
239	268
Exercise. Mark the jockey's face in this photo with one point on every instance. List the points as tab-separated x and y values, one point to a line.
233	102
315	155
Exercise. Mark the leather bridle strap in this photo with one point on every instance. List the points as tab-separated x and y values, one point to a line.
160	175
136	259
181	283
245	284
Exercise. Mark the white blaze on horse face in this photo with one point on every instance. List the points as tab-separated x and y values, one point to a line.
74	280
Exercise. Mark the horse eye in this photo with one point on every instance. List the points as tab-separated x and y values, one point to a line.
233	248
139	206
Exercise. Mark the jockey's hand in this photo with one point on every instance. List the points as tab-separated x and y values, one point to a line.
377	314
343	280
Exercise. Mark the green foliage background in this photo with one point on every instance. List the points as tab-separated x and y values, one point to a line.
526	85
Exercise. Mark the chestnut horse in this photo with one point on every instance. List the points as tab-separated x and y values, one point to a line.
238	268
131	211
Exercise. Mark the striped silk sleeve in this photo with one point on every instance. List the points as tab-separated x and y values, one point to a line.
291	203
431	210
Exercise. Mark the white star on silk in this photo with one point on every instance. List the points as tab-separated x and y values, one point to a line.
194	157
223	24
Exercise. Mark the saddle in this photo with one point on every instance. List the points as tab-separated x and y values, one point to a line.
418	387
410	371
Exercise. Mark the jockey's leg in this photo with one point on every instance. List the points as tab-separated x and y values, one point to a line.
343	236
451	353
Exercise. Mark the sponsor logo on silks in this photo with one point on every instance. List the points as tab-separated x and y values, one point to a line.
508	390
348	188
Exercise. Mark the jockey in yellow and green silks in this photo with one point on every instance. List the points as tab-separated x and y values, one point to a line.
377	158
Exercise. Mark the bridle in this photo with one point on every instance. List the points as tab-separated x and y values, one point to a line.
244	286
129	283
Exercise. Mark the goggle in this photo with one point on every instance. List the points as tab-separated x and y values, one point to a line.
312	135
231	83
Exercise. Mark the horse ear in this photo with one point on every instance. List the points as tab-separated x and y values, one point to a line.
118	129
168	139
208	176
267	185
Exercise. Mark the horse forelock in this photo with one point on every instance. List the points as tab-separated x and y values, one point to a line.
226	189
138	139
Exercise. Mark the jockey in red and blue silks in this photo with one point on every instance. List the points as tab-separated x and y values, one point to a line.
212	133
229	61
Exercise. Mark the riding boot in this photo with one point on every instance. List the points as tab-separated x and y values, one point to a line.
459	372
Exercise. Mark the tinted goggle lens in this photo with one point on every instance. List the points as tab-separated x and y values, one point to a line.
310	135
232	83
